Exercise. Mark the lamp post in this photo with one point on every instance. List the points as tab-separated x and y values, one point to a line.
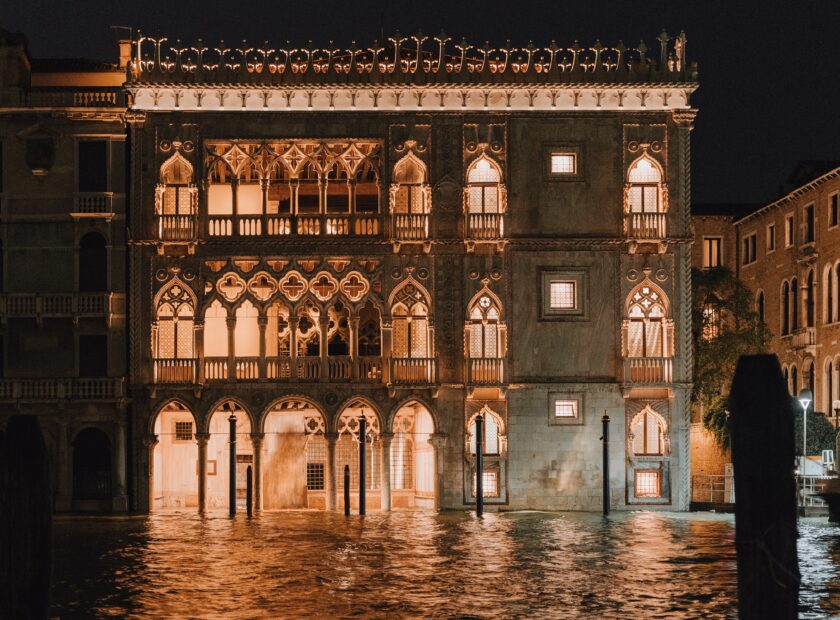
836	406
805	397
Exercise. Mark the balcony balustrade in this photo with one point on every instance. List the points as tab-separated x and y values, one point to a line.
175	371
413	371
93	203
215	368
485	370
284	225
410	226
804	338
648	370
646	226
278	368
247	368
176	227
77	99
484	226
308	368
96	388
25	305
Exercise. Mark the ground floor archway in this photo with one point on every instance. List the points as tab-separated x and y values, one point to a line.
174	470
92	470
413	458
218	469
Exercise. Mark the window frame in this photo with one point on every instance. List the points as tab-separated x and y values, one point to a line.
770	238
749	253
719	240
563	148
833	210
790	230
175	435
581	279
809	223
555	396
108	161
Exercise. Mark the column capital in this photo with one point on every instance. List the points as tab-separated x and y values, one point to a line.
354	320
386	438
331	437
150	441
202	437
438	440
257	437
230	321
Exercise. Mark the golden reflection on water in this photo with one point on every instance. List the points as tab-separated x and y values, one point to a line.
410	564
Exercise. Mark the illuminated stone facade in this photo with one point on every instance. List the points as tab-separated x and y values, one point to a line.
416	234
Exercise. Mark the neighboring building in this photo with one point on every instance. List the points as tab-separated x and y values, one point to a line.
62	307
414	235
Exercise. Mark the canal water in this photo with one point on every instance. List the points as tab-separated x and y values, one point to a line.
417	564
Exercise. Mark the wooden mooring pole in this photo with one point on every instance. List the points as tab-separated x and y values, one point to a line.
761	430
605	438
346	490
362	456
479	465
249	491
232	481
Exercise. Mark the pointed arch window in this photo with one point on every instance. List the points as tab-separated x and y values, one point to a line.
794	310
485	199
410	200
175	324
644	187
176	200
648	432
785	308
648	326
215	330
811	299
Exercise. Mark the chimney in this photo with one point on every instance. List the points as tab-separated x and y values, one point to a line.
125	52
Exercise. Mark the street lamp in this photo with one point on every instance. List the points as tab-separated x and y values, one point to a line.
805	397
836	406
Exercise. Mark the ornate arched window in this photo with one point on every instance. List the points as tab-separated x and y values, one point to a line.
491	436
484	187
811	299
246	334
367	187
836	310
485	337
644	187
277	334
648	433
794	305
308	189
338	188
370	332
279	191
176	200
175	313
494	449
410	199
215	330
410	314
648	327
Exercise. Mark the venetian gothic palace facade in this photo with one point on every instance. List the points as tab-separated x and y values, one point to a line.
293	240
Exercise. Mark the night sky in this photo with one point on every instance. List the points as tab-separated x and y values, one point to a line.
769	72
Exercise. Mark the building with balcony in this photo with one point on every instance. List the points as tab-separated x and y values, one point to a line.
62	288
414	234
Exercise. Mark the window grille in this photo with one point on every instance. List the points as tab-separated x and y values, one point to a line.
566	408
183	431
648	483
491	435
402	462
347	453
563	295
647	435
490	480
563	163
316	456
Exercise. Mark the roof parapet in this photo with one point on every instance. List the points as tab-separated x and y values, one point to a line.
415	60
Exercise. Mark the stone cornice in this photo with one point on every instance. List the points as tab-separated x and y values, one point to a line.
411	98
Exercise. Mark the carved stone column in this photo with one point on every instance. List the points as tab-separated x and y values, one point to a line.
387	350
262	322
324	324
354	347
202	439
331	438
198	331
151	441
257	441
231	327
293	348
438	441
385	483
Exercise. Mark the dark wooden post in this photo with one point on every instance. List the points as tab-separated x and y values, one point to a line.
761	430
346	490
479	465
232	484
605	437
362	455
249	491
25	520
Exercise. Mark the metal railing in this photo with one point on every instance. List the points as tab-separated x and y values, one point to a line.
713	488
647	369
95	388
646	225
413	370
808	489
485	370
175	370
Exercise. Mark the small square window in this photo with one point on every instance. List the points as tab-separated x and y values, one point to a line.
563	163
183	431
566	408
315	476
563	295
648	483
490	483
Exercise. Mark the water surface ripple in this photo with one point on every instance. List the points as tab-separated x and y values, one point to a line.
412	564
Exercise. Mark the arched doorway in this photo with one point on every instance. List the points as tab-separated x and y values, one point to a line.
347	453
218	455
413	468
174	481
294	456
91	470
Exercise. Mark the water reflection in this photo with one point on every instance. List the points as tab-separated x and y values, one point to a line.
408	564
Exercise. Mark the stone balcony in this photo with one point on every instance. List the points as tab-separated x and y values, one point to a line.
60	305
648	371
645	226
485	371
413	371
330	225
93	204
82	389
804	338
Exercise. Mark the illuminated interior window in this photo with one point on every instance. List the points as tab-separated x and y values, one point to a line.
563	163
484	337
648	434
563	294
183	431
490	483
483	181
645	182
215	331
410	178
648	483
645	335
316	457
566	408
491	434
